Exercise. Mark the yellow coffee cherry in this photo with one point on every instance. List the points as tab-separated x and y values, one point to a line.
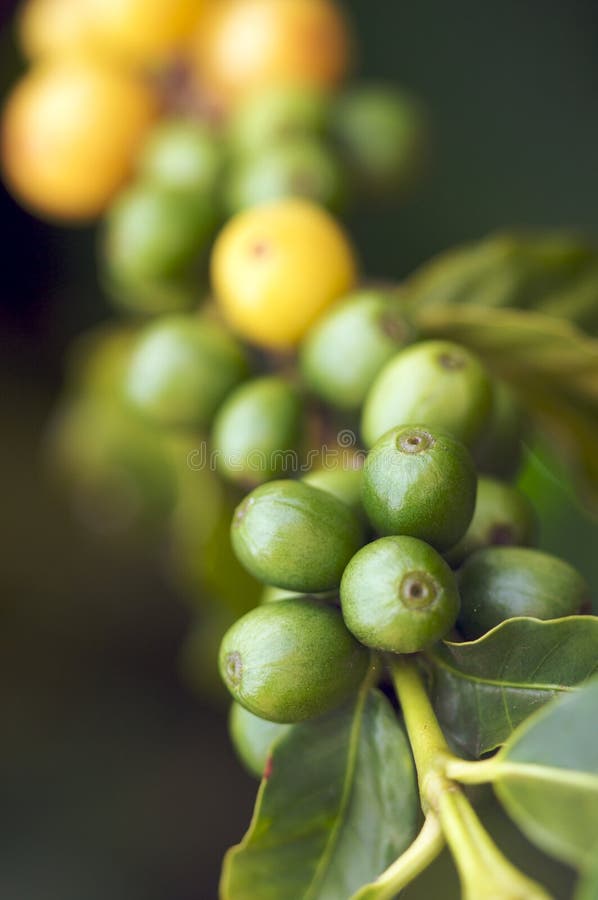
71	131
136	31
52	27
277	267
245	45
142	30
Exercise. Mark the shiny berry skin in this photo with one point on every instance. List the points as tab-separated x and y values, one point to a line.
399	595
421	482
291	660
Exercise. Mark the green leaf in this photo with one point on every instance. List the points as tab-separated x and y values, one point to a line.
546	777
484	689
551	272
339	806
551	364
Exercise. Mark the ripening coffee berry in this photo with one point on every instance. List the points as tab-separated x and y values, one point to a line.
398	594
503	516
291	660
244	46
420	482
277	267
348	346
257	431
253	737
499	583
182	369
295	536
437	383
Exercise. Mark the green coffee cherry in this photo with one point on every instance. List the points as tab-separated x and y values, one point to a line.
503	516
398	594
182	154
257	431
152	296
98	360
117	469
294	168
382	133
347	347
437	383
275	114
291	660
182	369
156	233
294	536
420	482
500	447
344	482
498	583
253	737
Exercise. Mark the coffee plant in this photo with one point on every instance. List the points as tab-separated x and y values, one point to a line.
331	462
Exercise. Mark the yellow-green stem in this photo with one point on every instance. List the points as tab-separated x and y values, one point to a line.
484	872
422	852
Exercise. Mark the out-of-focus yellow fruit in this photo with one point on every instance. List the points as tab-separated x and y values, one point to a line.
71	131
52	27
138	31
277	267
142	30
246	45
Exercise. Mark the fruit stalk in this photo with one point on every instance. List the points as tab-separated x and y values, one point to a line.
422	853
483	870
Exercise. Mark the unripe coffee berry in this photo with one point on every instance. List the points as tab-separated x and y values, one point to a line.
257	430
420	482
182	369
503	517
253	737
292	660
399	595
498	583
435	382
295	536
348	346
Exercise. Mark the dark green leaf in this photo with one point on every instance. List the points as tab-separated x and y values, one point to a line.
339	806
546	777
484	689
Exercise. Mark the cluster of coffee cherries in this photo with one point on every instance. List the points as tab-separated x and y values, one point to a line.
420	536
285	141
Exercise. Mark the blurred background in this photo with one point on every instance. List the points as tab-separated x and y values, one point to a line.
117	779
